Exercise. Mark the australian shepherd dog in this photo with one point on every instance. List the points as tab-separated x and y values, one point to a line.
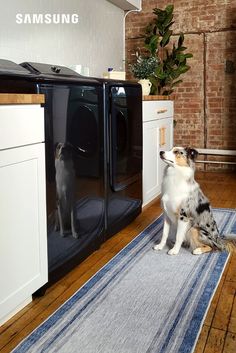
186	207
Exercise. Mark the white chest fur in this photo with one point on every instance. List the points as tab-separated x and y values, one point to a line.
176	186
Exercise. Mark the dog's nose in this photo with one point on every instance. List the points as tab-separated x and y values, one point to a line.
161	153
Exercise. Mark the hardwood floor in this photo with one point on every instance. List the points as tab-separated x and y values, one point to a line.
218	333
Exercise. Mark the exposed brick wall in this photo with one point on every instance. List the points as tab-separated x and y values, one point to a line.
205	103
189	99
221	90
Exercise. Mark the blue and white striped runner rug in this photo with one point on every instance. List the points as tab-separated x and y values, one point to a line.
141	301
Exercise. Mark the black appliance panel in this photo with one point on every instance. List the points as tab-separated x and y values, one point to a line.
85	129
15	79
73	112
124	199
125	137
47	69
53	74
11	68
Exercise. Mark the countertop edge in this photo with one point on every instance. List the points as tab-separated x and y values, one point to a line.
16	98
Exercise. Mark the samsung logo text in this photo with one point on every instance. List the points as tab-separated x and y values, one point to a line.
47	18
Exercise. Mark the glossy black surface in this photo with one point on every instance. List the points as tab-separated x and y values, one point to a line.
124	199
74	116
93	140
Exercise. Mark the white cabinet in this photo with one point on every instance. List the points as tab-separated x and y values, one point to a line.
23	233
157	136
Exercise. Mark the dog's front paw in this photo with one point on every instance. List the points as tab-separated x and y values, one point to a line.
173	251
75	235
158	247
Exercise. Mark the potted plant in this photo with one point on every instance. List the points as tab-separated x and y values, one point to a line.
142	69
172	59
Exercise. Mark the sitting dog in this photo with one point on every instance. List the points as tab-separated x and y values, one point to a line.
186	206
65	186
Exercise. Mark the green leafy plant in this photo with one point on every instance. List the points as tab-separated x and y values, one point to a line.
144	66
172	60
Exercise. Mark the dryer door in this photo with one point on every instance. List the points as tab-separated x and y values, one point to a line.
125	156
125	137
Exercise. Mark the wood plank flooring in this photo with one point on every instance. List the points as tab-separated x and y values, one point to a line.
218	333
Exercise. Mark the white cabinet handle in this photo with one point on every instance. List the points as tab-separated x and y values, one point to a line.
160	111
162	135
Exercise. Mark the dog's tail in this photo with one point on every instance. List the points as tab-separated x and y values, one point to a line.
230	242
226	243
217	241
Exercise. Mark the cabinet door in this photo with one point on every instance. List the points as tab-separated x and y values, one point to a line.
23	236
151	184
157	136
21	125
165	142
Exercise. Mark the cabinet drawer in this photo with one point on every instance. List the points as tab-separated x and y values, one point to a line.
23	226
21	125
153	110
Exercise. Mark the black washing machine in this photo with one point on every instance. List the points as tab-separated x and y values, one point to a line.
16	79
79	136
93	140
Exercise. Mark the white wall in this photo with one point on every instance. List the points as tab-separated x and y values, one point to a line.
95	42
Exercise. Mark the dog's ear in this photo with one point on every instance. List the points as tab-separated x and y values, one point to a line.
57	147
192	153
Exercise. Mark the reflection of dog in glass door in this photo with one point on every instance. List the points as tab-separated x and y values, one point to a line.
65	186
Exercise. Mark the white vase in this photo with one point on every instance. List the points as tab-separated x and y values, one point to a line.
146	86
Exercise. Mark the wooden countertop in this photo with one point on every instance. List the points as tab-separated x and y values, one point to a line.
156	98
15	98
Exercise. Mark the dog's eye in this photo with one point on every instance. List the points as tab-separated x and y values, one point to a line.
181	153
176	152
